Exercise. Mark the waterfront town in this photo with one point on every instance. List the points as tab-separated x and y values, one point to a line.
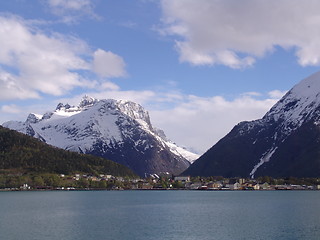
153	182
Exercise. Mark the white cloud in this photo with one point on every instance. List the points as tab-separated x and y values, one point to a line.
70	4
141	97
254	94
32	62
188	54
12	108
110	86
12	88
108	64
72	10
236	33
39	62
199	122
225	57
277	94
19	113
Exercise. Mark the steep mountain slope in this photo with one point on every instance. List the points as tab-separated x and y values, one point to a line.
18	151
116	130
285	142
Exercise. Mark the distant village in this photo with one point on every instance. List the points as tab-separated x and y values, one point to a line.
155	182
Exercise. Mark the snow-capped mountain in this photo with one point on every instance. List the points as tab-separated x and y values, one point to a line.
117	130
285	142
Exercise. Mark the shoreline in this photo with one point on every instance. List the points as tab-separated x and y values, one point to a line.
155	189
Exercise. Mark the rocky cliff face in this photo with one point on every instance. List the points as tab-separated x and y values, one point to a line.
285	142
117	130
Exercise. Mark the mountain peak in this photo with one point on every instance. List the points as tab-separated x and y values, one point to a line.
33	118
308	87
135	111
61	106
299	105
284	143
114	129
87	101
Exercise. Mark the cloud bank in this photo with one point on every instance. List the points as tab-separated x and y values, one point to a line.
33	62
237	33
200	122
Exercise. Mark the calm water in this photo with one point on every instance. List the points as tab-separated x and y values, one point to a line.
165	215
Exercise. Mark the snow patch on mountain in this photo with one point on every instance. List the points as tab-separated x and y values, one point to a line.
299	105
265	158
110	122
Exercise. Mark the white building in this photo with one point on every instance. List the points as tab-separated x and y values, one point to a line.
182	178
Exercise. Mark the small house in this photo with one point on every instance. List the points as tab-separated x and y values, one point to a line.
182	178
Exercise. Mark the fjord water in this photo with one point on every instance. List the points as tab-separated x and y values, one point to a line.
150	215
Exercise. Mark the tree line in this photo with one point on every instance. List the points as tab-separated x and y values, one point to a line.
27	154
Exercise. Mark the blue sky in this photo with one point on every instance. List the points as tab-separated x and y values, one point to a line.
198	67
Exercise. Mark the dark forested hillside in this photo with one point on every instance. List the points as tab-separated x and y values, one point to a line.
18	151
284	143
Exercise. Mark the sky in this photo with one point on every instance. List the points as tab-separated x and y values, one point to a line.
199	67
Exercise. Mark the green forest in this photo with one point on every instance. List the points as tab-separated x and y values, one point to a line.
22	154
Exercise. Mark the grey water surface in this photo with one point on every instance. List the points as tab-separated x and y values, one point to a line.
150	215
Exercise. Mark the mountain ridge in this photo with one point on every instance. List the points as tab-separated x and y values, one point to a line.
258	147
114	129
